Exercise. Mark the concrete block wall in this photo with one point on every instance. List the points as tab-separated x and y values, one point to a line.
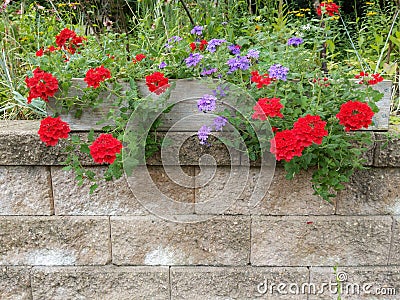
59	242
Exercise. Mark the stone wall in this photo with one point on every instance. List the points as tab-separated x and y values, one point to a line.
59	242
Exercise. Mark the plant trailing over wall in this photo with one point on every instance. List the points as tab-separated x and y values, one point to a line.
309	111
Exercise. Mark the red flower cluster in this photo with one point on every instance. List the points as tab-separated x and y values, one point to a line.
261	80
322	81
41	85
200	45
310	129
53	129
155	81
267	107
355	115
369	79
139	57
329	8
105	148
68	40
285	146
95	76
291	142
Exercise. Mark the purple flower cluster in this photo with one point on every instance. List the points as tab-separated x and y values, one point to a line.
207	103
193	59
234	49
295	41
203	134
206	72
278	71
198	30
221	90
212	44
162	65
220	122
238	62
252	53
172	39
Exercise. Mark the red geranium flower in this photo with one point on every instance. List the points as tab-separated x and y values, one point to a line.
330	8
95	76
39	52
53	129
200	46
41	85
139	57
310	129
155	81
105	148
369	79
68	40
285	145
267	107
355	115
261	80
192	46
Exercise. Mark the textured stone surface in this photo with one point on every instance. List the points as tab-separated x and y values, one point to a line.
229	189
25	190
21	145
15	283
292	197
186	146
123	283
110	198
320	241
221	283
387	151
356	283
151	241
168	190
279	196
371	192
395	247
54	241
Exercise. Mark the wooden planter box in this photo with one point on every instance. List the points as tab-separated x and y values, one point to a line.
184	116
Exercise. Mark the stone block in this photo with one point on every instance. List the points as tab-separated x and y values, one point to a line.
320	241
15	283
292	197
373	191
25	190
387	150
54	241
110	198
381	282
107	282
183	148
222	283
395	247
152	241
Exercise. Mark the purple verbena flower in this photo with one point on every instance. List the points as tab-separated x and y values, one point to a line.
193	59
278	71
252	53
206	72
172	39
162	65
203	134
206	103
234	49
212	44
220	90
295	41
198	30
220	122
238	62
